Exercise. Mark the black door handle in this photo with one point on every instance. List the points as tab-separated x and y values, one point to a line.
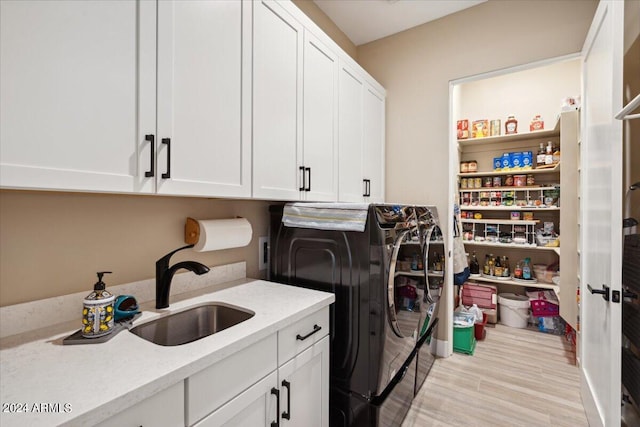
287	414
302	179
629	294
152	140
604	291
167	142
308	186
316	328
276	423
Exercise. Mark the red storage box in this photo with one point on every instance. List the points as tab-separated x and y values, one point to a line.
484	296
479	330
544	308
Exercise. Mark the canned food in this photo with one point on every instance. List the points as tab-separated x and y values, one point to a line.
519	180
477	183
464	183
472	166
495	127
508	181
497	181
464	167
531	180
487	181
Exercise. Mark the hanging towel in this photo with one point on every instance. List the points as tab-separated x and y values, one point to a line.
326	216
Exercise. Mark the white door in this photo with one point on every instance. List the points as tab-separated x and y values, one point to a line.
350	134
253	407
277	97
77	94
373	150
304	387
601	234
320	125
204	95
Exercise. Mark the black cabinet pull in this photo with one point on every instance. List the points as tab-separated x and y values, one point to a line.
287	414
364	193
604	291
316	328
152	140
302	179
167	141
276	423
308	186
367	187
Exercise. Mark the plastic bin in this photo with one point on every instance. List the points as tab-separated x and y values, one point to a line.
514	310
543	308
464	340
479	330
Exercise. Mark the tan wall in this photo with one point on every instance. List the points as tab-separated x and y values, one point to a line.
415	67
53	243
326	24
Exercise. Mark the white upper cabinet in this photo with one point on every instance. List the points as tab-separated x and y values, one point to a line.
320	125
373	149
277	97
351	130
77	95
204	139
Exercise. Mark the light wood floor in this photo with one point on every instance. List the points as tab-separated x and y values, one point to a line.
516	377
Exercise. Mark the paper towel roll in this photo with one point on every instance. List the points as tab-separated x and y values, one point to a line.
216	234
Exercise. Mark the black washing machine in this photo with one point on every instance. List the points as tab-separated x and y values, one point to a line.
376	260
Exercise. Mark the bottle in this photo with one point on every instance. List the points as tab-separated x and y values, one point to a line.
517	273
437	262
474	267
414	261
497	268
97	314
511	125
540	156
492	265
485	269
548	157
420	263
526	269
506	272
556	156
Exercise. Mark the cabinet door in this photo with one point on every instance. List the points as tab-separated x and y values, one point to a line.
277	97
373	151
254	407
304	387
320	126
78	94
350	128
204	137
165	408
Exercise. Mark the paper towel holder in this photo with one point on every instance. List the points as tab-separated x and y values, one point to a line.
191	231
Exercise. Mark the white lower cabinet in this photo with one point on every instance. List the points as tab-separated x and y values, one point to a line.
282	379
162	409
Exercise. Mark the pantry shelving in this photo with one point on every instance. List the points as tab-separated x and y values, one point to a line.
547	133
554	169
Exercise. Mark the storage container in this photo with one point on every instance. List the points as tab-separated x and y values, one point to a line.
544	308
479	331
492	315
484	296
514	310
464	340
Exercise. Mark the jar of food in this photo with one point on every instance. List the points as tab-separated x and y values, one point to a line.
511	125
477	183
531	180
519	180
497	181
464	167
472	166
487	181
508	181
464	183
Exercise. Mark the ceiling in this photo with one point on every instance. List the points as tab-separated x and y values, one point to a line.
364	21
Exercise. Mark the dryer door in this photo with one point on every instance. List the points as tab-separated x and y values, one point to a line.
402	294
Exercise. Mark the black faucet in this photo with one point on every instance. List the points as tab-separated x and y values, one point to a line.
164	274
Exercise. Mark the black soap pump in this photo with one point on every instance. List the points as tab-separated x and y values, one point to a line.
97	314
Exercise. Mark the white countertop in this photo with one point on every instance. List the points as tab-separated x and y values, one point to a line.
98	380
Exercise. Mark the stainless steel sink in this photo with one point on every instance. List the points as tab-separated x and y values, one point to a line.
192	324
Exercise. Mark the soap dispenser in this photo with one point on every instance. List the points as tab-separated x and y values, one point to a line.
97	314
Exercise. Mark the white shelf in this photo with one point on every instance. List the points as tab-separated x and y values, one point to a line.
512	245
514	283
500	221
413	273
507	208
554	169
523	188
545	133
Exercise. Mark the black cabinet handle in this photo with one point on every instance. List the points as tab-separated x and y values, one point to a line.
316	328
604	291
287	414
364	193
152	140
368	188
308	186
276	423
167	141
302	179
